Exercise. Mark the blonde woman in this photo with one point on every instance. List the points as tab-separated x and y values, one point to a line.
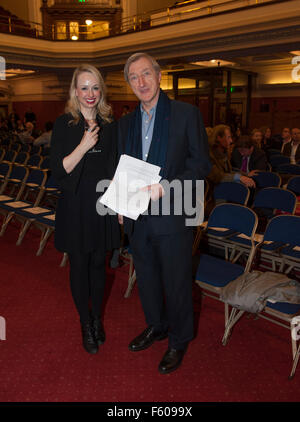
83	152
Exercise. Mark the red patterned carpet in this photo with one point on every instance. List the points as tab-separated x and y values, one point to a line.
42	359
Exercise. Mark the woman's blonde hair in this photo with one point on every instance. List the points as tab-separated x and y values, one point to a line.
73	106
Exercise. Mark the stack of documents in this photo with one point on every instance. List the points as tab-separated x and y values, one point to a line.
124	194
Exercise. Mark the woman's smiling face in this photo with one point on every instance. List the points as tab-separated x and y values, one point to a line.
87	90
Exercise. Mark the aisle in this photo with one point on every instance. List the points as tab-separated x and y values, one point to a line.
42	359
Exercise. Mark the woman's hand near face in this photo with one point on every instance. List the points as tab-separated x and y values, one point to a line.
87	142
90	137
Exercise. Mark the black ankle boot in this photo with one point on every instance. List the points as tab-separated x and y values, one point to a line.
98	331
88	338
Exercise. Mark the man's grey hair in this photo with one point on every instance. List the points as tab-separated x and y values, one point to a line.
135	57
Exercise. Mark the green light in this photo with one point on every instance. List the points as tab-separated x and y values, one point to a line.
232	89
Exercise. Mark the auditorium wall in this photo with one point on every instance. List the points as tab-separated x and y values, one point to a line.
17	7
144	6
46	95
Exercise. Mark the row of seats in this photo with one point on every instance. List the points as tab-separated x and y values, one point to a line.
240	238
232	228
10	144
281	163
24	158
234	242
28	196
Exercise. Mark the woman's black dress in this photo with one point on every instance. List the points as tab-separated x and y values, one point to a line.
78	226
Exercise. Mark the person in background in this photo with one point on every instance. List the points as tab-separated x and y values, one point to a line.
45	138
279	141
3	127
20	126
125	110
247	158
266	138
26	136
220	142
30	116
257	137
12	120
84	152
292	149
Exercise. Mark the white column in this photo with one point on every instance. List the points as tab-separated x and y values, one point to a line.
129	12
34	13
129	8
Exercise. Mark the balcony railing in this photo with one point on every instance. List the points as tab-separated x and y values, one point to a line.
185	10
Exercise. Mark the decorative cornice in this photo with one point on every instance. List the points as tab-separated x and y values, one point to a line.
196	40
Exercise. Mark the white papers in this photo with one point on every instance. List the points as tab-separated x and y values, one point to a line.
124	195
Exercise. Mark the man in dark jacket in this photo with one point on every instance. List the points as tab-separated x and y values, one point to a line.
169	134
292	149
247	158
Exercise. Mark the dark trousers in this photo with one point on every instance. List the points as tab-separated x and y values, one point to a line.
87	281
163	265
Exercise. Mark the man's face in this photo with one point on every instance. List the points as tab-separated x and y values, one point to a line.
286	133
226	140
296	134
245	152
268	133
28	126
257	137
144	82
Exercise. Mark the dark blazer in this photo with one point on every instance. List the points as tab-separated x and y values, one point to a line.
287	149
258	160
187	157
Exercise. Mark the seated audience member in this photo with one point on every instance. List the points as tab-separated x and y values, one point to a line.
279	141
45	137
209	131
26	137
266	137
20	126
30	116
256	137
3	127
125	110
247	158
219	144
292	149
237	134
12	121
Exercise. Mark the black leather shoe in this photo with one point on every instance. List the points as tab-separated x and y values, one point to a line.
98	331
88	338
171	360
146	338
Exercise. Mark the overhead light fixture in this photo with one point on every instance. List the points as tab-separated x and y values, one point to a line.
88	22
17	72
74	38
213	63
